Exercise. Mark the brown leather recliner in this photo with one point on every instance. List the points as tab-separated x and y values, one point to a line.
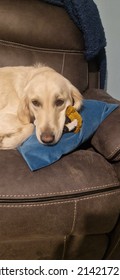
70	209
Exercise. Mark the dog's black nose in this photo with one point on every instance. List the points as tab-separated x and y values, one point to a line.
47	137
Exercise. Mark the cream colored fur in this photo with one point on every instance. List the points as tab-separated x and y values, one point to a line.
35	96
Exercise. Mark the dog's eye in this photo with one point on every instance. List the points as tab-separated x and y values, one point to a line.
59	102
36	103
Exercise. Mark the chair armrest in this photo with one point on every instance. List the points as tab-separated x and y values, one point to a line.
106	139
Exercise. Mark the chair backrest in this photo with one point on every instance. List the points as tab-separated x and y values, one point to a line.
32	31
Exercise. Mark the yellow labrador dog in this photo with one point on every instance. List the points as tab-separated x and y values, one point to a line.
35	96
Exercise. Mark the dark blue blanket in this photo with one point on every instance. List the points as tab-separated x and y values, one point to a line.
86	16
37	155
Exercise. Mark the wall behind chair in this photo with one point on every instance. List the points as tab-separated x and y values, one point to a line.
110	15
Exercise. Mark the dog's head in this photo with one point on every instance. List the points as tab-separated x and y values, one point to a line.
47	95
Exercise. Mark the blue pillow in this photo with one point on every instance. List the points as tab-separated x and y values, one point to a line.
37	155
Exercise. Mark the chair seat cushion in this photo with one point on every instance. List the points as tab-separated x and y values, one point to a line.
79	172
43	201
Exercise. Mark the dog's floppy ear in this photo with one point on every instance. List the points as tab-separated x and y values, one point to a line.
23	111
77	97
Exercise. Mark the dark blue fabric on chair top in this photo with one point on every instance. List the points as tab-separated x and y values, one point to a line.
37	155
86	16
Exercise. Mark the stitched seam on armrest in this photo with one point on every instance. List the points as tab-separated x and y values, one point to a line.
113	152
